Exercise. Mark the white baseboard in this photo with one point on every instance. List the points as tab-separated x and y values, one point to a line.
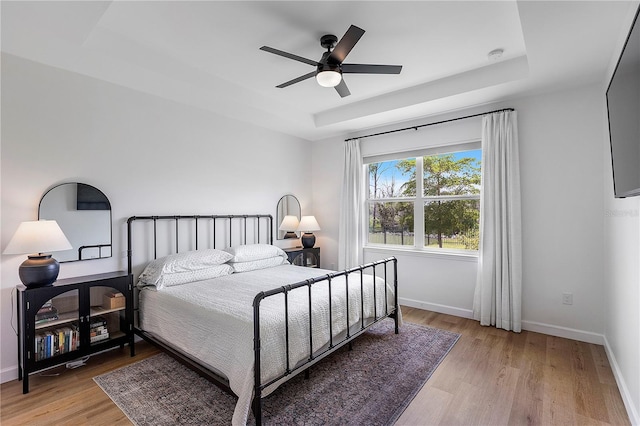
551	330
567	333
8	374
632	410
443	309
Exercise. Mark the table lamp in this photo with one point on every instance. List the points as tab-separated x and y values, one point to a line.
289	225
308	224
37	237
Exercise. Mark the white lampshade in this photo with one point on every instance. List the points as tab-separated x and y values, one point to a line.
308	224
328	78
289	223
38	236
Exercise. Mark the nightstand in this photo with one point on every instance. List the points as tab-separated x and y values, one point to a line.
73	318
308	257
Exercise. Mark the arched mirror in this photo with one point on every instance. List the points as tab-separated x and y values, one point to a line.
288	205
84	215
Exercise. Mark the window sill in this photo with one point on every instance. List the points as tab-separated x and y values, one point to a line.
436	254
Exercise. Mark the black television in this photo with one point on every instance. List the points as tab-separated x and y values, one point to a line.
623	108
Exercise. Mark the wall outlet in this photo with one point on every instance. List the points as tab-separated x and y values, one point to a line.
567	298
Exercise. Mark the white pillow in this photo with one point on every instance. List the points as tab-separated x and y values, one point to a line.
178	278
184	277
251	252
183	262
258	264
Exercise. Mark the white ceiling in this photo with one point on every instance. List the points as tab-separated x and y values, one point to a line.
206	53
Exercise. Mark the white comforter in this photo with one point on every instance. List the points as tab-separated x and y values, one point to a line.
213	321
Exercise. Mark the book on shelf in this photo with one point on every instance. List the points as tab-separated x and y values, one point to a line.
99	338
56	342
46	313
97	322
98	329
46	320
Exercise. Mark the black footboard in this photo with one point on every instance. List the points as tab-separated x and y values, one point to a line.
332	346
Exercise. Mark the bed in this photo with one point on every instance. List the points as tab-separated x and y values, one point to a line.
234	308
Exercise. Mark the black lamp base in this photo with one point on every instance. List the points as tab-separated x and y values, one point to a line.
308	240
290	234
39	270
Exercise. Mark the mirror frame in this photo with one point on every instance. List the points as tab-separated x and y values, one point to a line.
87	207
280	213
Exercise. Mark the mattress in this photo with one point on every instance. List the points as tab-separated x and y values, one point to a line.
212	320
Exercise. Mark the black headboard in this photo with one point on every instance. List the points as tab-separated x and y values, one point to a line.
158	236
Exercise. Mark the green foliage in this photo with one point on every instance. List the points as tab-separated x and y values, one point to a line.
443	175
446	176
448	222
408	166
452	218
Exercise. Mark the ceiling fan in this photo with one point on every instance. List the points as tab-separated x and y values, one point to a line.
330	67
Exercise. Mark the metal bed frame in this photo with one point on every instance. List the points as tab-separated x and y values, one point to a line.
255	220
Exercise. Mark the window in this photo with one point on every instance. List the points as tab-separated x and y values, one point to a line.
440	211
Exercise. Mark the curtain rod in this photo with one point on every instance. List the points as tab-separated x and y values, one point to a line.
429	124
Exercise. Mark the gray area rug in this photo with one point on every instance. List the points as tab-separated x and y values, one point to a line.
372	384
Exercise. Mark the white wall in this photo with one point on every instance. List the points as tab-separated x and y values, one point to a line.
148	155
562	176
622	289
562	179
621	271
621	266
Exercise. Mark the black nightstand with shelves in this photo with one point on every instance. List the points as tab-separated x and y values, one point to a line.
308	257
72	318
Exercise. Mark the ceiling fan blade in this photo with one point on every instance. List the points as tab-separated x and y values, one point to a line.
297	80
342	89
346	43
371	69
289	55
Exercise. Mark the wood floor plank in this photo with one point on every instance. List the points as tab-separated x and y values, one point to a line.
558	403
529	395
605	374
71	397
427	411
586	384
490	377
615	405
464	407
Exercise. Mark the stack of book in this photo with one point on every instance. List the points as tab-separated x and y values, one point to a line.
46	313
57	341
98	329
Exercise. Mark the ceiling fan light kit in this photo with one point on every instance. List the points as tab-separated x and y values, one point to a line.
329	76
330	69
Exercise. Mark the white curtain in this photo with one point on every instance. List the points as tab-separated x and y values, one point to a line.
497	299
351	236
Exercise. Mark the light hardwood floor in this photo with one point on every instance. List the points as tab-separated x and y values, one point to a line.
495	377
490	377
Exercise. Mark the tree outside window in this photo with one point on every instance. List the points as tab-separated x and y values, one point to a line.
449	196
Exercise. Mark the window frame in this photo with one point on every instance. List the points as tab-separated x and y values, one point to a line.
419	200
